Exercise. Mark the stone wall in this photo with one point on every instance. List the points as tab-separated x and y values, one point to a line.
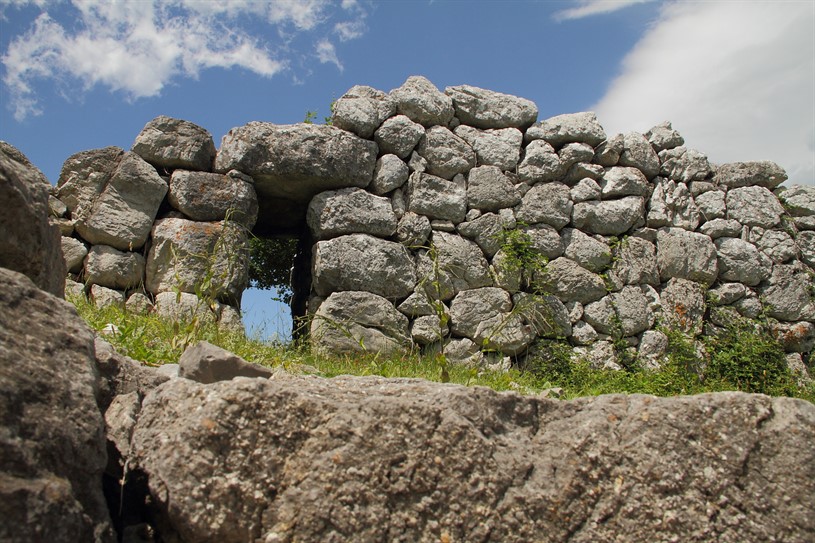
451	221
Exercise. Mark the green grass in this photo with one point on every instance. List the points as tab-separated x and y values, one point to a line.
742	359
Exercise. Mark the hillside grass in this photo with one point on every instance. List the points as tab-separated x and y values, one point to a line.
741	359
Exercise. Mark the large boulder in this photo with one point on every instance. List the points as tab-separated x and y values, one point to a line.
209	258
568	281
746	174
350	211
371	459
788	295
422	102
638	153
684	165
754	206
30	244
174	143
483	108
361	262
799	201
549	203
295	162
571	127
740	261
488	189
686	255
361	110
83	177
112	268
609	217
52	435
437	198
399	136
205	196
123	213
207	363
446	153
351	321
501	147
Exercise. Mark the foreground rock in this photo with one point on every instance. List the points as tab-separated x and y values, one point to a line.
52	441
34	249
371	459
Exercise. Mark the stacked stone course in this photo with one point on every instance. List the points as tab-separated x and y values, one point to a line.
405	200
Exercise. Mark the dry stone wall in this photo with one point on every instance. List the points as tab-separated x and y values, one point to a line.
453	222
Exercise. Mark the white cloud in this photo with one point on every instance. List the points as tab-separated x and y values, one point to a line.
737	79
139	47
327	53
587	8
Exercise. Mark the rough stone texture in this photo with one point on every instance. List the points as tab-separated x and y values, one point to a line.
742	262
672	204
711	205
754	206
398	135
795	337
484	108
123	213
590	253
30	244
776	244
350	211
683	305
365	263
571	127
390	174
295	162
545	313
361	110
663	136
422	102
806	244
787	295
567	280
486	231
119	374
684	165
185	252
548	203
358	321
635	263
472	307
413	230
686	255
608	152
799	201
214	197
112	268
621	314
446	153
52	442
718	228
74	253
540	163
437	198
489	189
173	143
500	148
746	174
585	189
182	307
104	296
428	329
459	263
622	464
206	363
620	181
652	348
83	177
638	153
609	217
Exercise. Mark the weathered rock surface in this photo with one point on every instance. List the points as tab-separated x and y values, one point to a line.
746	174
754	206
74	252
173	143
540	162
569	281
30	244
52	441
206	363
622	465
742	262
446	153
185	253
548	203
390	174
437	198
350	211
398	135
359	321
687	255
364	263
361	110
214	197
568	128
422	102
609	217
501	147
112	268
484	108
123	213
295	162
489	189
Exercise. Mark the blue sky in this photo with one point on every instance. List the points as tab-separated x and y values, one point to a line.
737	79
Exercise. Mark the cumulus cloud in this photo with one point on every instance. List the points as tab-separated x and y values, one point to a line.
327	53
737	79
587	8
140	47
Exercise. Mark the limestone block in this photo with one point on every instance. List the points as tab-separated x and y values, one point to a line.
571	127
686	255
740	261
501	148
173	143
609	217
484	108
114	269
747	174
436	198
214	197
488	189
399	136
446	153
350	211
422	102
754	206
548	203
